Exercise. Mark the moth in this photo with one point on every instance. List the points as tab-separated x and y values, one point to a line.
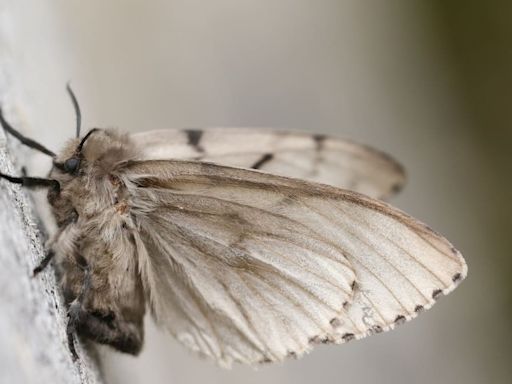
247	245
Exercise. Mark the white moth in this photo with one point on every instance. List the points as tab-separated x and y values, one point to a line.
234	240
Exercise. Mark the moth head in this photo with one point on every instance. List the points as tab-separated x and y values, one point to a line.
99	150
83	166
83	151
71	157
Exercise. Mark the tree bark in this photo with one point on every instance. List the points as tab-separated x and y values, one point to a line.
33	316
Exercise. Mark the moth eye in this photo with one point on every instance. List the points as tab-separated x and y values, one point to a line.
71	164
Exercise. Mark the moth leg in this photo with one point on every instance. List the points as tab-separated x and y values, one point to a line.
43	263
76	309
32	182
73	316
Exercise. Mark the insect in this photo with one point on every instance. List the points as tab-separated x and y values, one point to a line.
234	240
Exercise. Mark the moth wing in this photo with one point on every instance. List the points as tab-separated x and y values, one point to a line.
316	158
246	266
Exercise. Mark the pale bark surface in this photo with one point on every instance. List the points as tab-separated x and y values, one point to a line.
33	343
33	318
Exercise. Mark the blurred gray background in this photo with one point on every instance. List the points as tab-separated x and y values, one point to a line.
428	82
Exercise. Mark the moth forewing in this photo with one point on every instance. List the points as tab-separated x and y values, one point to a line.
254	267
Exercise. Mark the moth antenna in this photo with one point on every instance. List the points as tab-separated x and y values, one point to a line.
79	148
77	109
23	140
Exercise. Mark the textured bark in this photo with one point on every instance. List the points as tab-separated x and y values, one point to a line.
33	318
33	343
